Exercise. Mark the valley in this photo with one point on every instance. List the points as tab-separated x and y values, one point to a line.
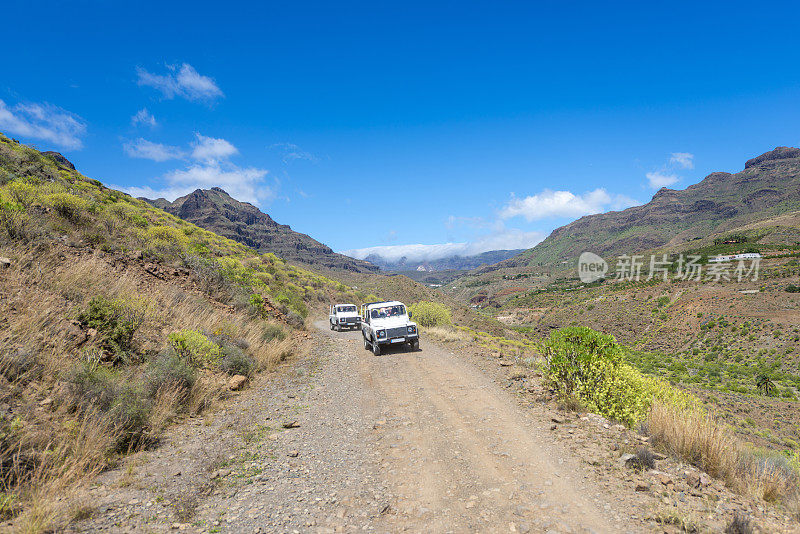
169	378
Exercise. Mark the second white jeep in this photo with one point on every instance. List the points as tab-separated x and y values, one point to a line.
344	316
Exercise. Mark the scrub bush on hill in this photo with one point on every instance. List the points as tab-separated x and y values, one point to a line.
431	313
195	348
116	322
586	365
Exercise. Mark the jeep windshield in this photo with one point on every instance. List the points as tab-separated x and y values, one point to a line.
346	309
388	311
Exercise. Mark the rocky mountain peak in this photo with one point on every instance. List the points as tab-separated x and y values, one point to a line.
781	152
215	210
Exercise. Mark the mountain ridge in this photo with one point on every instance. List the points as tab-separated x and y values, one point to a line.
215	210
767	187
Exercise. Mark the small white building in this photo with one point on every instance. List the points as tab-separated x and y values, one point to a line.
734	257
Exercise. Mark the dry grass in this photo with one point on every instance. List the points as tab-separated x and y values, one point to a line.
695	437
700	440
69	458
54	450
166	405
684	523
447	334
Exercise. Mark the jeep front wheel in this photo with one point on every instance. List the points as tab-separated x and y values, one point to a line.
376	349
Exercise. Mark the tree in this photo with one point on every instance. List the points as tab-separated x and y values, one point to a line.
765	385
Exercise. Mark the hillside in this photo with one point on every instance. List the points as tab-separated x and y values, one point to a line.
722	203
215	210
448	263
115	318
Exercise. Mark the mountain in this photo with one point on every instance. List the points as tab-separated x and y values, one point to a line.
454	263
215	210
755	201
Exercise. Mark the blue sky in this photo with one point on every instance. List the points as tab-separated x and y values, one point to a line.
480	124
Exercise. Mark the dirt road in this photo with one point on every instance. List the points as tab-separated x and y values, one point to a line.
418	442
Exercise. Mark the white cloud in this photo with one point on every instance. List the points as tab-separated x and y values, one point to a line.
211	150
245	184
684	160
293	152
659	179
550	203
144	149
505	240
43	121
183	81
668	173
145	118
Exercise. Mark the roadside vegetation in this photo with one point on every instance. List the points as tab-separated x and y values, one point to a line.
428	313
116	318
586	368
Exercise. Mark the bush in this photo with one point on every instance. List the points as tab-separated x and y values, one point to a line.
195	348
235	362
589	366
167	369
68	206
114	320
431	314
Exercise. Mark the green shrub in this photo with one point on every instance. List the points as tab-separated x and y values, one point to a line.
586	365
129	415
69	206
116	322
431	314
195	348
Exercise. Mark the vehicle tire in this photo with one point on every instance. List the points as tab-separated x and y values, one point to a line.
376	348
331	324
415	345
366	343
338	328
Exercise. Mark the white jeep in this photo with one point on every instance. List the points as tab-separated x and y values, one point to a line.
344	316
387	324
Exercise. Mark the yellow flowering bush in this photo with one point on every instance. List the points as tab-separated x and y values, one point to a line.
431	313
589	366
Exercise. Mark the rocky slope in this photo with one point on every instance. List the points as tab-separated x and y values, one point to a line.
215	210
722	203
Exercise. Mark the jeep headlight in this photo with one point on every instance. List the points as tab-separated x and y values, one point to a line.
412	329
381	333
342	320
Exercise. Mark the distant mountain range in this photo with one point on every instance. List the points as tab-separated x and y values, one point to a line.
456	263
215	210
757	201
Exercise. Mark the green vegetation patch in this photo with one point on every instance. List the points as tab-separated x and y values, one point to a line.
589	366
431	313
